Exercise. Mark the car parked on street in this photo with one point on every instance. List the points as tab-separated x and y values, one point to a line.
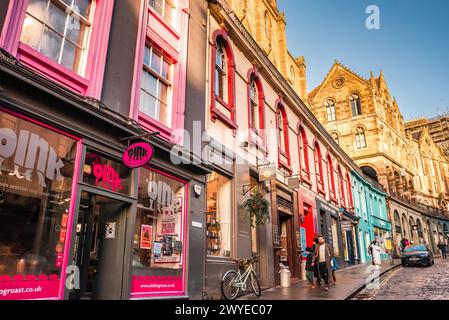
415	255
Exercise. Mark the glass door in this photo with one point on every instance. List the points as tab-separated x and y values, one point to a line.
99	243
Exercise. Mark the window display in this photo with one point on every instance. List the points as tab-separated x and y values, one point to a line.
36	176
219	202
159	238
334	223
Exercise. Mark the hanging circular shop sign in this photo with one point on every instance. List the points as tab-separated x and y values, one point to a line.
137	155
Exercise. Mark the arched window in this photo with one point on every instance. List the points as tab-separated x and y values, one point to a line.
360	139
318	166
221	71
356	107
330	171
330	110
223	80
256	113
282	130
349	187
341	187
336	137
303	148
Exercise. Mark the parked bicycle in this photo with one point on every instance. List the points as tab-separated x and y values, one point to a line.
234	281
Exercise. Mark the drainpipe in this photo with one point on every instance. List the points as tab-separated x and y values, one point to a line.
206	103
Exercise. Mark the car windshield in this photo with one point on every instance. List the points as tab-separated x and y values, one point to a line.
416	248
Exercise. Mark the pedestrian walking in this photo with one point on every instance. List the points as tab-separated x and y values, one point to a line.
334	267
323	256
375	251
310	270
443	248
316	274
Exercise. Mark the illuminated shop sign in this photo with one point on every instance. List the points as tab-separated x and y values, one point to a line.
106	173
137	155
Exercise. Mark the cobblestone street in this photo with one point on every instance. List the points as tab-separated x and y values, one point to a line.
417	283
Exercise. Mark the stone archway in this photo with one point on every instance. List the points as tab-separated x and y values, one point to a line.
420	231
413	233
430	240
370	172
405	229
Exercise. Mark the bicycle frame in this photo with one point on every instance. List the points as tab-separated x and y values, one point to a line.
242	278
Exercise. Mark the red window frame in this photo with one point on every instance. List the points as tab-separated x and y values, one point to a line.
280	109
230	105
89	85
349	186
256	136
304	146
341	187
331	178
319	162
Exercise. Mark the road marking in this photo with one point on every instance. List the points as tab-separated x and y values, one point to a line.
383	280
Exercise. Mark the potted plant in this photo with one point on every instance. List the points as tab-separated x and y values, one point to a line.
257	208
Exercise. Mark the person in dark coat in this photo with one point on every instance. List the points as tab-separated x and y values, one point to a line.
314	265
323	257
309	268
443	248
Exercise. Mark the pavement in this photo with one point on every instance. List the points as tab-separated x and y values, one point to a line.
413	283
349	282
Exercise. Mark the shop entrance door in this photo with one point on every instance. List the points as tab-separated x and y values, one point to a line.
286	255
99	247
351	252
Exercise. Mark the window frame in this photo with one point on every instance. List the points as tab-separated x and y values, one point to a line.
318	159
303	149
341	187
256	135
359	133
331	178
159	79
216	114
358	104
172	42
330	106
91	83
280	110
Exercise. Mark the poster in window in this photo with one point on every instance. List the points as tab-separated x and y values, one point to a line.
145	236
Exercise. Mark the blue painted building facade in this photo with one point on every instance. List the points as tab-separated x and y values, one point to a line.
370	206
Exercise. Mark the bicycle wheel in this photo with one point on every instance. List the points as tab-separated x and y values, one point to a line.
255	283
228	288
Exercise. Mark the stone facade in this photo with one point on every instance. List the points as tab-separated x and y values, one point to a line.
410	167
267	26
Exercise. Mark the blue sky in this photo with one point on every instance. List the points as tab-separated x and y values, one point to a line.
411	47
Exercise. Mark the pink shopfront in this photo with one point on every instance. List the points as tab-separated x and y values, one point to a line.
76	223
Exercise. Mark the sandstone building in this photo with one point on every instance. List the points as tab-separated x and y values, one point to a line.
366	122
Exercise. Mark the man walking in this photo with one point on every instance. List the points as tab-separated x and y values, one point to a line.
323	256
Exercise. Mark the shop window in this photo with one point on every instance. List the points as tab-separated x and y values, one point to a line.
335	243
59	30
159	239
219	212
156	87
165	9
36	182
